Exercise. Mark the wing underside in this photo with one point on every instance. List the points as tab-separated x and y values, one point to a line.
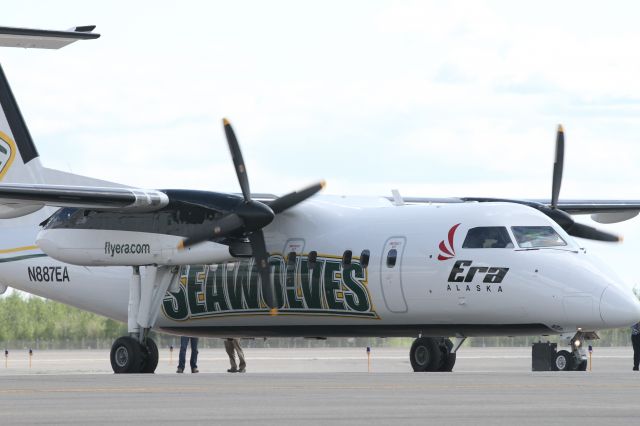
19	199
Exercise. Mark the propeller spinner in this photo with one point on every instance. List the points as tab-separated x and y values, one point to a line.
250	217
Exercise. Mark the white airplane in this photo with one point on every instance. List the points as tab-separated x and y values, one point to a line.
225	265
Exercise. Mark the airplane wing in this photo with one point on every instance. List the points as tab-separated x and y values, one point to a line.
17	199
44	39
569	206
602	211
595	206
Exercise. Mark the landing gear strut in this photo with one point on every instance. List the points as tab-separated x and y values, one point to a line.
433	354
137	352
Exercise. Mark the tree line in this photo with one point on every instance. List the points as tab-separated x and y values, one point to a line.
33	322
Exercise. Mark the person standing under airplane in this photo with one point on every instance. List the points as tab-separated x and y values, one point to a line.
635	341
184	342
232	346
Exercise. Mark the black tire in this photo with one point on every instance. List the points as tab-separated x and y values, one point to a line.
425	355
563	361
582	366
448	358
126	355
150	356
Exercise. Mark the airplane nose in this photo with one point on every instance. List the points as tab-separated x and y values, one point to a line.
619	308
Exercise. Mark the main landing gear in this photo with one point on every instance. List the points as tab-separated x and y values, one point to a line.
137	352
433	354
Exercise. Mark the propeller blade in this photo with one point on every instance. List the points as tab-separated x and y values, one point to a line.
287	201
558	165
224	226
590	233
261	256
238	161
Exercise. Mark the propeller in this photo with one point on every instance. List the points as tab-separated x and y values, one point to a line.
558	165
561	217
250	217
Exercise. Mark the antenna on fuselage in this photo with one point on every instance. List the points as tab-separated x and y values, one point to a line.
397	198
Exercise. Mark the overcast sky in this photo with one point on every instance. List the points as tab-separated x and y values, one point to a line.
433	98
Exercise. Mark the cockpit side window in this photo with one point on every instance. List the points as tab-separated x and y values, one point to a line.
488	237
537	236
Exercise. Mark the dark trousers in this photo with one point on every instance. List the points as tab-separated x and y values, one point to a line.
184	342
635	341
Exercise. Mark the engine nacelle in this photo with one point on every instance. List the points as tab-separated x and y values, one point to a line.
88	247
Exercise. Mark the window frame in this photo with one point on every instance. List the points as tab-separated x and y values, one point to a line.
566	243
510	238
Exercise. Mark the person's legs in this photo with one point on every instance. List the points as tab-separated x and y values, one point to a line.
635	340
229	347
194	354
184	341
236	345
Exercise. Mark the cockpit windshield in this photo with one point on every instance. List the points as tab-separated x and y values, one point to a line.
537	236
488	237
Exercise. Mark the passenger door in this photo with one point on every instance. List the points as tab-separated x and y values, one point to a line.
391	274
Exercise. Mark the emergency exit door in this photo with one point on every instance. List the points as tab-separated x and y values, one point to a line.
391	274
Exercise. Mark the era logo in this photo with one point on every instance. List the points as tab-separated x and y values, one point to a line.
448	251
462	271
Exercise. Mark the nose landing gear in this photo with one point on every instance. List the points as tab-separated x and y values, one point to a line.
545	357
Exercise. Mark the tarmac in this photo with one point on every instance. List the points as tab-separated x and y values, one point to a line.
319	386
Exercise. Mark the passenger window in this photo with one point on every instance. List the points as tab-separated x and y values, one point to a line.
537	236
391	258
364	258
488	237
346	258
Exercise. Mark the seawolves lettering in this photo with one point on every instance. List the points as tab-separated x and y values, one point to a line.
325	287
463	273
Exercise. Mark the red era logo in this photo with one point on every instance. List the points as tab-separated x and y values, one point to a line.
448	252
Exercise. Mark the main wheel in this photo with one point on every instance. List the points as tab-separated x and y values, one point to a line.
425	355
563	361
150	356
126	356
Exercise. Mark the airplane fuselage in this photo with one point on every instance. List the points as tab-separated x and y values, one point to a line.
362	267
